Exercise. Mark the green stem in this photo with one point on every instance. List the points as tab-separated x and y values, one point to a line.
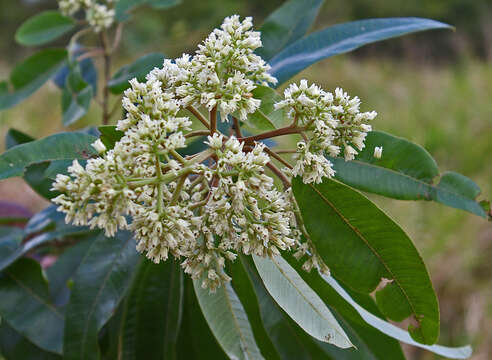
178	189
178	157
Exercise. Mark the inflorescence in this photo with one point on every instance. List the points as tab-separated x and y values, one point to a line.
208	207
98	14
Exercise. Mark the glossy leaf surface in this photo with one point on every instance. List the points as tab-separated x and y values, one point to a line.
406	171
288	23
61	146
228	321
361	245
342	38
299	301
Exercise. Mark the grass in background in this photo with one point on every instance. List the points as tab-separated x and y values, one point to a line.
447	110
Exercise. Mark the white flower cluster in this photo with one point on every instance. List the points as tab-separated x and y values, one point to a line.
335	122
208	207
222	73
99	14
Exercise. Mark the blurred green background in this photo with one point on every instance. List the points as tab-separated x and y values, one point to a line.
433	88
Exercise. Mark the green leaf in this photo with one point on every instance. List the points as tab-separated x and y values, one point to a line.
138	69
361	245
63	270
282	333
31	74
21	250
43	28
228	321
266	117
395	332
299	301
23	287
76	97
195	340
288	23
10	240
406	171
14	346
123	7
153	312
34	174
62	146
16	137
366	338
99	285
342	38
109	135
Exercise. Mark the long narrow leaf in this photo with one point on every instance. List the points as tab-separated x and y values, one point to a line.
99	285
27	308
395	332
299	301
288	23
153	311
228	321
406	171
343	38
361	245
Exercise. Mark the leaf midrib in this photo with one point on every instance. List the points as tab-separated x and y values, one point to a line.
236	323
34	295
308	301
372	250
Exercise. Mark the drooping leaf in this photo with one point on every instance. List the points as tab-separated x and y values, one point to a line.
26	305
282	333
43	28
109	135
14	346
366	338
138	69
99	285
76	97
299	301
62	146
153	312
406	171
395	332
361	245
342	38
123	7
288	23
31	74
195	340
16	137
228	321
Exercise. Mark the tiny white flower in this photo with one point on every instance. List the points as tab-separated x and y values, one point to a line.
99	146
378	152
